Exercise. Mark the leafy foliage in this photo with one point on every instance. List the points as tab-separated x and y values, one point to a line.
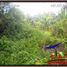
22	37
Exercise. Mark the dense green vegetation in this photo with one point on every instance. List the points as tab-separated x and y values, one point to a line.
22	37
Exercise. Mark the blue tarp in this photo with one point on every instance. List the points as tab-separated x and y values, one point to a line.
52	46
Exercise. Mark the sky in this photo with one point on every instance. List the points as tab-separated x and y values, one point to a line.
35	8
